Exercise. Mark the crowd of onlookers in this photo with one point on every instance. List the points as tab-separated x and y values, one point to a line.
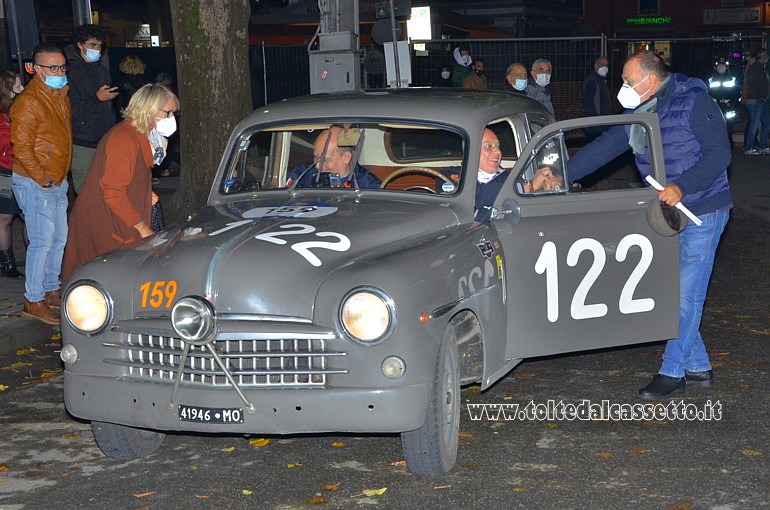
69	123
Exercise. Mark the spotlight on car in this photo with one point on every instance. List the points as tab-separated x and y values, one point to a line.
193	319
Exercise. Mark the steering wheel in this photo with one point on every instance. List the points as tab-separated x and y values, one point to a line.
415	169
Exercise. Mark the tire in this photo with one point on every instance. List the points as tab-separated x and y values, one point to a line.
125	443
432	449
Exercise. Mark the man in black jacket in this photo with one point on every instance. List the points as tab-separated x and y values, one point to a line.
91	96
596	95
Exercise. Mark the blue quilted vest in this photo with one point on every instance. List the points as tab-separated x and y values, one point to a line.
680	148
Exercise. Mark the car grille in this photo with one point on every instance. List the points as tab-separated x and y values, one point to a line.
302	362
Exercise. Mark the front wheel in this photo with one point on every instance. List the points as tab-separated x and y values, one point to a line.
432	449
125	443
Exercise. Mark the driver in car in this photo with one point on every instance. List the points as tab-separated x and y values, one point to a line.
491	176
331	166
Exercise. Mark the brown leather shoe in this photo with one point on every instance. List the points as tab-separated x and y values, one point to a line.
41	311
53	299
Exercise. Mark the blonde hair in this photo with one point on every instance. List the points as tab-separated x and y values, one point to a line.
132	65
143	107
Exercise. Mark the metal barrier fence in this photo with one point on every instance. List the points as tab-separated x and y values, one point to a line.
279	72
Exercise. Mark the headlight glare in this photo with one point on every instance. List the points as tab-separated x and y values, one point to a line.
193	319
87	308
367	315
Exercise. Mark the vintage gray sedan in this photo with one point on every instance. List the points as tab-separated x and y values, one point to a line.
343	307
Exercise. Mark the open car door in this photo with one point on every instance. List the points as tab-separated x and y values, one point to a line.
583	268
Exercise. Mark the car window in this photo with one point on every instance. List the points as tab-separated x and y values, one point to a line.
390	156
552	156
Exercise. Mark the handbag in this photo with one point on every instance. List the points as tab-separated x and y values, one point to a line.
6	190
157	223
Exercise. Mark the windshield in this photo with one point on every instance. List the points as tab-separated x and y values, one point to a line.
392	156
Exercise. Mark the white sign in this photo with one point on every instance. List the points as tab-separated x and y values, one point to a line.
418	26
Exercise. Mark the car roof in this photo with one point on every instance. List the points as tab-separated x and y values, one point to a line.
462	107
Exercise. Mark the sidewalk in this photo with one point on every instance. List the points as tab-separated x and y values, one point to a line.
16	331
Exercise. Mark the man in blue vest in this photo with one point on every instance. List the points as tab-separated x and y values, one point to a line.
696	153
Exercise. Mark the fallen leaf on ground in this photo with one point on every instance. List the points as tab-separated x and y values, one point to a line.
331	487
230	449
202	497
374	492
605	455
3	387
290	466
400	463
18	365
639	450
442	487
466	434
144	494
259	442
56	336
246	492
3	468
338	444
519	489
751	453
27	350
317	500
71	436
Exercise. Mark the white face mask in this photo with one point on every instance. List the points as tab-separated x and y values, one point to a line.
629	97
166	127
468	60
602	71
543	79
445	74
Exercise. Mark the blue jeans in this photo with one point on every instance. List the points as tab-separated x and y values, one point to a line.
759	118
697	246
45	215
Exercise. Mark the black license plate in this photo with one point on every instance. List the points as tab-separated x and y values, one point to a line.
210	414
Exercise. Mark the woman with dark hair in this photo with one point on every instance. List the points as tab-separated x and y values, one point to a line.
10	87
444	77
114	207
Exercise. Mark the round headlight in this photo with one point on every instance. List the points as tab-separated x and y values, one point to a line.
87	308
367	315
193	319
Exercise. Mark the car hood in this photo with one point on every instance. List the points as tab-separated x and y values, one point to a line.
249	257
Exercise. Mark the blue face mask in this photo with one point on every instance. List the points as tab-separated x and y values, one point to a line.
92	55
56	82
520	84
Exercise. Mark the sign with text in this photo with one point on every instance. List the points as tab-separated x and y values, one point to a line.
731	16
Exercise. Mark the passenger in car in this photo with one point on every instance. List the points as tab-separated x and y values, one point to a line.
331	166
491	176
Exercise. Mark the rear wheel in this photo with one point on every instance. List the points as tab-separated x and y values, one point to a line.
432	449
125	443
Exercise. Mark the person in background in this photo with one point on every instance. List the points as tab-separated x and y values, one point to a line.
596	95
726	90
757	86
41	134
132	78
476	80
10	87
541	78
165	79
444	77
461	67
114	208
516	79
697	155
91	95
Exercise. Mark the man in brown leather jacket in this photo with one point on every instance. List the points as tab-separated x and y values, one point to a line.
41	134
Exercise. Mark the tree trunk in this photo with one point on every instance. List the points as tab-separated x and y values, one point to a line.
211	43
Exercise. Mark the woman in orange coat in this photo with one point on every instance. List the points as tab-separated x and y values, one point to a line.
113	208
